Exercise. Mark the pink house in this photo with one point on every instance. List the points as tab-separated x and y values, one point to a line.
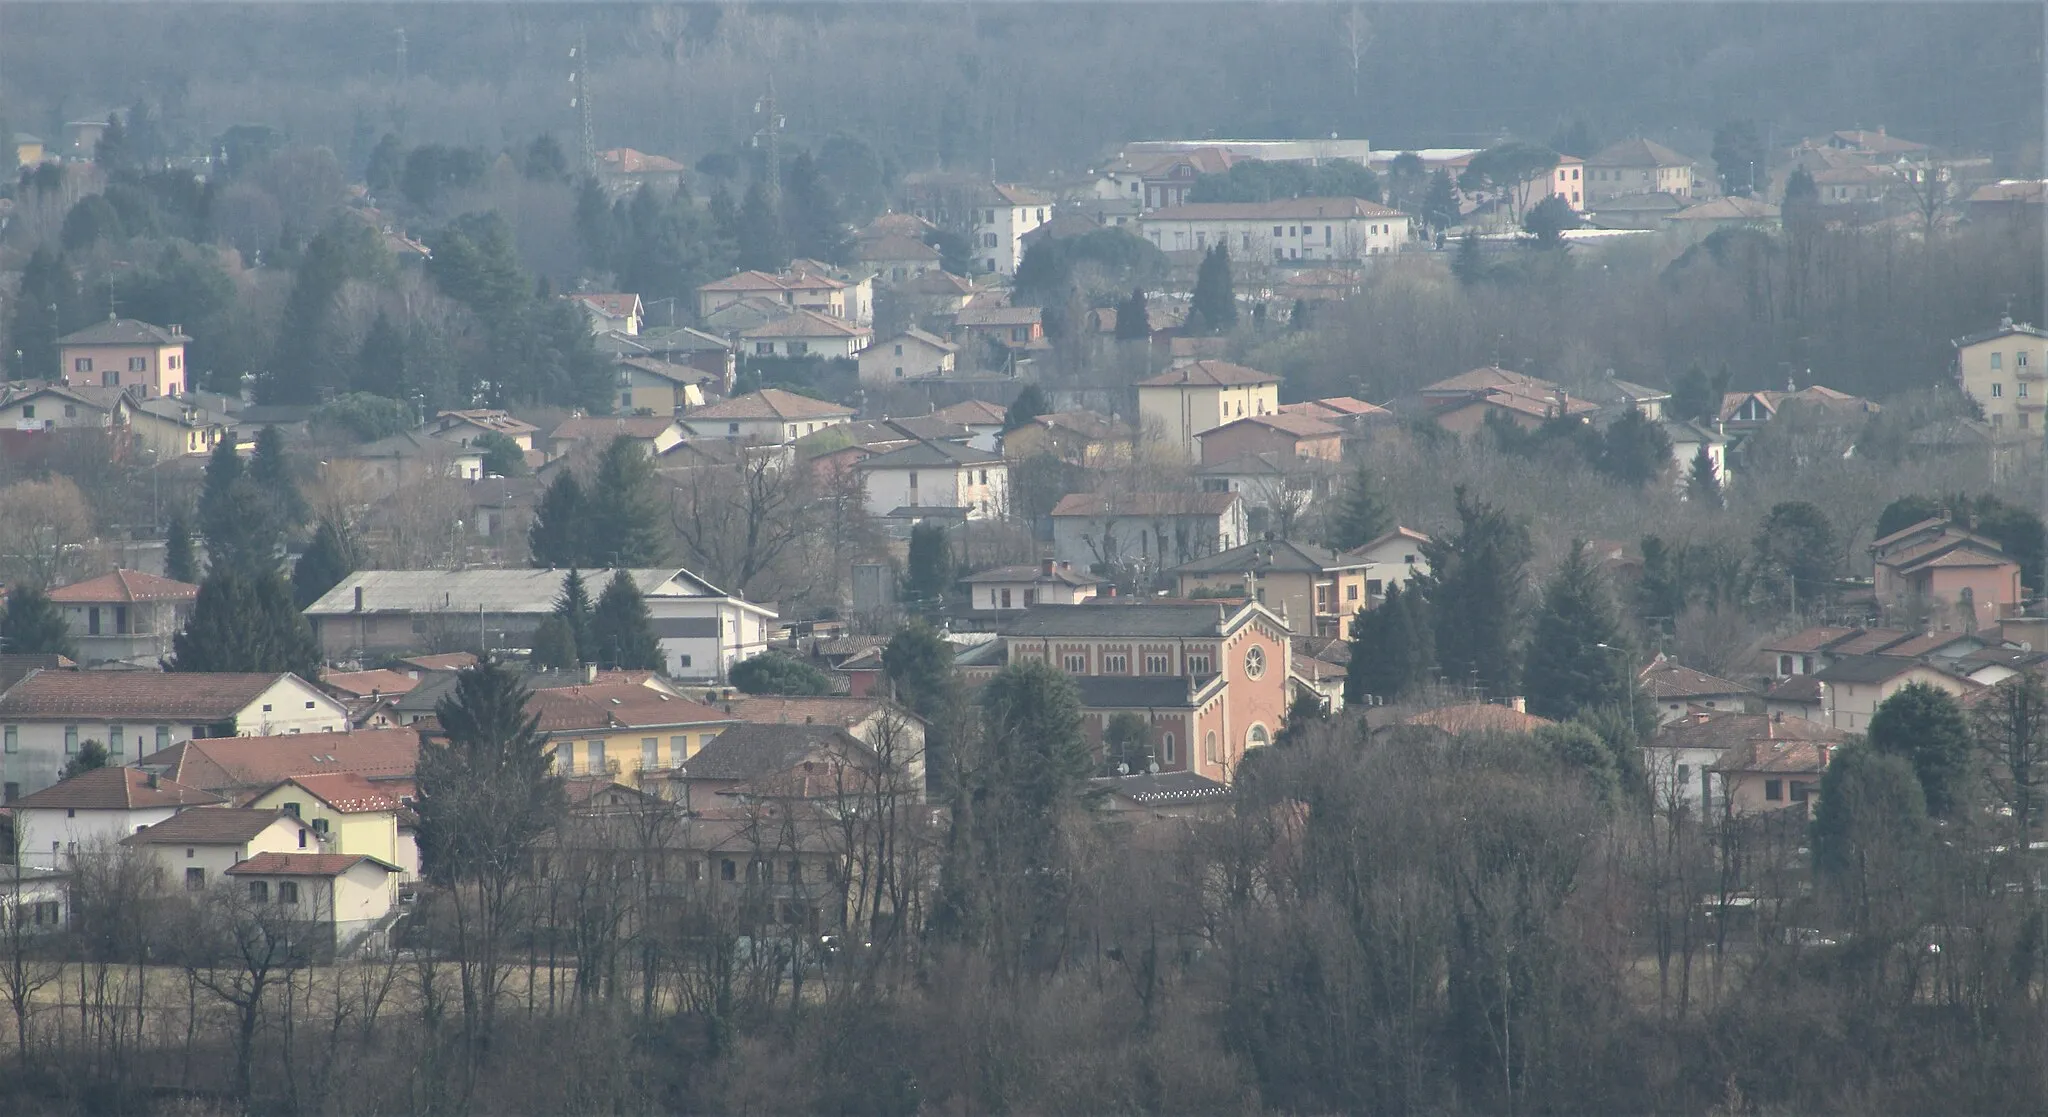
1950	569
127	354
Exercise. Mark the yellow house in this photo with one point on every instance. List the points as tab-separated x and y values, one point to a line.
623	729
1083	438
1182	402
2003	370
28	150
1319	592
127	354
350	814
174	428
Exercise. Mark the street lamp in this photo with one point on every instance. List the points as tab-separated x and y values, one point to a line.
1629	656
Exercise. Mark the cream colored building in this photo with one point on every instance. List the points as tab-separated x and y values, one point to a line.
1638	166
1282	231
2003	371
1180	403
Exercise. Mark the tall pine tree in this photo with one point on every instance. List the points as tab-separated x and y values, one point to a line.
181	563
1213	306
1474	590
761	242
1393	650
270	467
46	306
237	515
1363	515
621	628
625	509
560	525
1133	320
330	557
245	621
33	625
1703	480
810	212
573	610
1575	663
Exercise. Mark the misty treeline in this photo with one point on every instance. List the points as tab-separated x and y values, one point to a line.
1383	921
1029	88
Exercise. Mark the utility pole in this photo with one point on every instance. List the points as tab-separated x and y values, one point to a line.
580	98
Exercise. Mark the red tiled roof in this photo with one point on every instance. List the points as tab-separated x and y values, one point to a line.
141	695
611	426
770	403
124	585
229	764
361	683
616	706
205	826
844	712
626	161
1208	374
1779	756
115	789
305	864
1478	718
806	323
973	412
1300	426
1671	680
346	792
610	305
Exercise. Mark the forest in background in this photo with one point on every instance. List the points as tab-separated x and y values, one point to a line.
1027	89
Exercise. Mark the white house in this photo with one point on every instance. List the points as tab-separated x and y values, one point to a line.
1016	588
1686	440
702	629
34	901
983	420
46	716
770	416
1281	231
1002	219
1396	558
1679	758
910	355
805	333
95	809
463	428
126	616
339	896
935	474
1144	533
612	311
194	849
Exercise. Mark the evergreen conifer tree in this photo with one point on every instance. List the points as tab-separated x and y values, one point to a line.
270	467
33	326
1133	319
1213	306
238	517
762	245
245	621
1924	724
181	564
810	211
1393	653
1569	671
330	557
625	509
1692	397
1363	516
1440	202
556	537
91	756
1474	589
574	610
487	789
929	570
554	645
1660	592
33	625
1029	404
1703	480
621	628
1468	266
1634	451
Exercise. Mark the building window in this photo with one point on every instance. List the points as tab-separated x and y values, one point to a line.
596	757
259	891
291	810
2019	359
195	880
1997	361
287	892
1997	390
110	379
1351	592
1168	757
28	411
12	736
1158	664
650	752
1257	737
1030	598
117	739
1006	599
1116	665
1799	791
2020	389
1209	748
138	364
1198	665
1075	664
1774	790
728	869
84	364
70	739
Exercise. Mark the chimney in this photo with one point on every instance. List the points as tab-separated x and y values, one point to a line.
590	673
177	329
1518	704
359	599
1046	567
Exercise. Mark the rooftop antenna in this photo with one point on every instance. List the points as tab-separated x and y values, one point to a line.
579	98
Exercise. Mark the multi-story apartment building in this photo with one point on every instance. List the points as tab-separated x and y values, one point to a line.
1210	677
2004	370
1283	231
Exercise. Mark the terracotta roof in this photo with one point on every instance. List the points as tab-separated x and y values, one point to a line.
1280	209
923	338
115	789
1777	756
488	418
306	864
896	224
1478	718
1300	426
361	683
626	161
611	305
1726	730
770	403
1019	195
1408	533
1638	152
615	706
1145	504
1961	555
895	246
806	323
765	281
973	413
2026	191
1810	640
123	331
346	792
842	711
1671	680
134	695
1799	690
1087	424
1730	208
229	764
206	826
445	661
125	585
1331	407
608	427
753	750
1208	374
935	283
1479	379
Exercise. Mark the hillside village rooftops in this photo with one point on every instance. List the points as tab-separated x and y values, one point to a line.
765	281
973	413
195	696
1730	208
306	864
505	590
999	316
227	764
1209	374
1280	209
116	789
1298	425
609	304
895	246
770	403
1664	681
607	427
345	792
752	750
123	331
805	323
124	586
1478	717
616	706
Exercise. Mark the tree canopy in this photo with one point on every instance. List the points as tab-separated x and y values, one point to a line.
775	673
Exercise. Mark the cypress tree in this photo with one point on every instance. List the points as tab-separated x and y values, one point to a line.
33	625
237	516
1363	517
621	628
270	467
1133	319
330	557
1703	480
1568	671
1634	451
1468	266
1213	306
625	509
181	564
1660	592
554	645
245	621
1474	589
556	537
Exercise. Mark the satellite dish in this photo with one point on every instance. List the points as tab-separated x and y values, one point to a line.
1153	767
1123	769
